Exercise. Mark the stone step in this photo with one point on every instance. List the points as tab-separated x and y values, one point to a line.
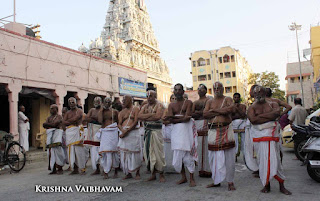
36	156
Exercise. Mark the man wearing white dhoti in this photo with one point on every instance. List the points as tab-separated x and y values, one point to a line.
64	145
109	138
183	136
90	139
74	139
265	132
56	154
151	114
166	133
24	127
202	130
130	139
239	122
251	149
221	142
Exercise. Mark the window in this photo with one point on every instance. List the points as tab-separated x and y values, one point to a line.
221	75
227	74
210	91
209	77
194	63
309	77
299	79
293	97
228	89
232	58
201	62
234	89
292	80
195	78
233	73
226	58
208	61
202	77
220	60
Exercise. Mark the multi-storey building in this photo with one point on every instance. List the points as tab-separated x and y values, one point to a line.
225	65
315	56
293	86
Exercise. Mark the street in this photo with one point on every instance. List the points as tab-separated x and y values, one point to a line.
21	186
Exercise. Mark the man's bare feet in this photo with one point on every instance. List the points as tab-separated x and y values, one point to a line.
192	183
162	179
266	189
284	190
128	176
152	178
105	176
182	180
137	177
231	187
53	172
213	185
59	172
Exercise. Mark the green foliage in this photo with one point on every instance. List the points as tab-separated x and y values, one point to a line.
270	80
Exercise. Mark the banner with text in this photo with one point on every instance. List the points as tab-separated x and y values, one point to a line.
132	88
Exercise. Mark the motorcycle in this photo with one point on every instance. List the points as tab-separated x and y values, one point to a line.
312	150
299	137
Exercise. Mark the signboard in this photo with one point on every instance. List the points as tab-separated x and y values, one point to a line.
132	88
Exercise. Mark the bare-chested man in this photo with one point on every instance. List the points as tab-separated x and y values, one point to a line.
221	142
72	120
183	136
265	132
202	130
151	114
280	103
90	140
109	138
238	122
57	157
129	142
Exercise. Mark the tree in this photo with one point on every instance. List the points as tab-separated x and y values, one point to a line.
270	80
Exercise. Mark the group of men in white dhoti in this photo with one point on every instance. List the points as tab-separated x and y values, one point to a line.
200	136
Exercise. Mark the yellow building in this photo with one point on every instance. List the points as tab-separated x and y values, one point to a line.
315	52
225	65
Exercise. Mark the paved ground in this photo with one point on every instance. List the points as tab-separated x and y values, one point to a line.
21	186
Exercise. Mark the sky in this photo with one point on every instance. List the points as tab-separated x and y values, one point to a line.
259	29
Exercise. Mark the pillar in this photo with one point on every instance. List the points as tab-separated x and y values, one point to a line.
60	93
13	90
81	98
